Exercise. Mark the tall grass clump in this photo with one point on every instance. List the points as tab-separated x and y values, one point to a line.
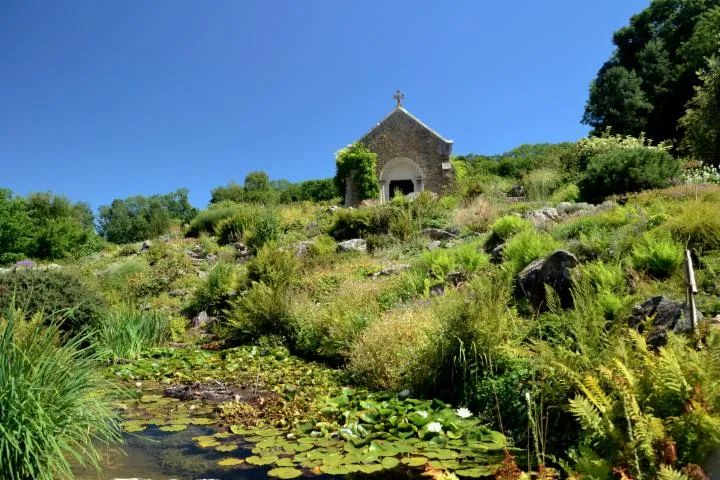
539	184
54	403
696	225
124	332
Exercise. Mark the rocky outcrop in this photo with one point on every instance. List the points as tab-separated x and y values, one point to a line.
666	314
353	245
496	254
553	270
439	234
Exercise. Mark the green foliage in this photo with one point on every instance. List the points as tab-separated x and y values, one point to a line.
539	184
627	170
526	247
514	164
566	193
44	225
310	190
207	221
357	162
256	225
122	333
165	270
702	117
213	295
508	225
658	255
360	222
55	403
55	293
118	273
577	158
646	83
273	266
696	225
139	218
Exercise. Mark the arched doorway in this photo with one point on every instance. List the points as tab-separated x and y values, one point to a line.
400	174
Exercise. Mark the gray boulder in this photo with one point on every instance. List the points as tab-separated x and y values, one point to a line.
517	190
354	245
553	270
439	234
667	315
434	244
544	215
303	248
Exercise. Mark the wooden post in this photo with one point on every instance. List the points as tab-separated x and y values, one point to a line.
691	290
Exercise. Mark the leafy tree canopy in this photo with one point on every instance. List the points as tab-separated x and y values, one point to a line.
258	188
138	218
702	119
357	162
44	226
646	83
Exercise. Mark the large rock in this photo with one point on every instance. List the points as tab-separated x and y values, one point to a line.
354	245
496	254
439	234
553	270
302	249
667	315
517	190
543	216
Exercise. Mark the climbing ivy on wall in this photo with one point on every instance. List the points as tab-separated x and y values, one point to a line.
360	163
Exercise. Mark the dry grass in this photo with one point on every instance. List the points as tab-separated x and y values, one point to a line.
477	214
387	351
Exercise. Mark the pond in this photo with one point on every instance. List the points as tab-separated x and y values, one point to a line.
158	455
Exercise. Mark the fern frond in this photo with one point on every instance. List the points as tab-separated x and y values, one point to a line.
668	473
588	415
592	390
671	374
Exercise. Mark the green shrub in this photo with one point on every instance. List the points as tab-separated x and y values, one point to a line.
263	310
124	333
322	247
566	193
156	280
540	183
696	225
627	170
430	212
118	273
55	402
207	220
230	230
526	247
605	276
509	225
660	255
264	228
213	295
273	266
56	293
402	225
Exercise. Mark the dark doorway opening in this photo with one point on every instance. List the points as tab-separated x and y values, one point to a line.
404	186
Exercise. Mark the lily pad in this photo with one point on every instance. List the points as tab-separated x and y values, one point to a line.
173	428
229	447
285	472
230	462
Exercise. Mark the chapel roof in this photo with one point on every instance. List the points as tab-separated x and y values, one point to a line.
401	110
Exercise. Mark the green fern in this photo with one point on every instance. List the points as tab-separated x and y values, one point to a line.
588	415
669	473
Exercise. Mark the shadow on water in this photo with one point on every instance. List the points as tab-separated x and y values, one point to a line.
157	455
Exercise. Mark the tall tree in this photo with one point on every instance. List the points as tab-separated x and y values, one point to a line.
650	77
702	119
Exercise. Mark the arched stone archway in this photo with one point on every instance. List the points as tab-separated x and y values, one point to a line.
400	173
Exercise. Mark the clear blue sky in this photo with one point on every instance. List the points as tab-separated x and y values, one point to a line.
107	99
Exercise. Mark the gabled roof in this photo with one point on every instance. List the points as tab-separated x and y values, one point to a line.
413	117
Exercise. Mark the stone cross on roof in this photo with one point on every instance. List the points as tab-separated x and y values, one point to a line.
398	97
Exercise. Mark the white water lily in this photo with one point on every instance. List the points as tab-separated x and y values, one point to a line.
435	427
347	431
422	413
463	413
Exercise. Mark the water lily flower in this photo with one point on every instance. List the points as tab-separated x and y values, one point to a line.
435	427
347	431
422	413
463	413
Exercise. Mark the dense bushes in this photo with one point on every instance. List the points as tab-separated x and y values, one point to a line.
627	170
46	226
207	221
55	293
213	294
139	218
525	247
657	255
255	225
56	405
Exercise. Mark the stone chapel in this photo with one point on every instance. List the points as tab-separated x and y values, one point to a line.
411	157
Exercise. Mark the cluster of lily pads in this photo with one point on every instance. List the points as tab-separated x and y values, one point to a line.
168	414
360	432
